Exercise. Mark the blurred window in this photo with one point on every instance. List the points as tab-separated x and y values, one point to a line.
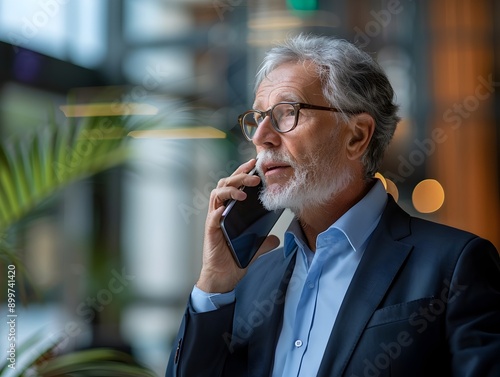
146	21
67	30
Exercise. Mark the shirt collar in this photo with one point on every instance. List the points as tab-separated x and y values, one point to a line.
356	224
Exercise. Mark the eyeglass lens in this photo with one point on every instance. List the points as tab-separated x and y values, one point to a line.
283	118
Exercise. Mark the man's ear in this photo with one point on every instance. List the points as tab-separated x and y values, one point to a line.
361	127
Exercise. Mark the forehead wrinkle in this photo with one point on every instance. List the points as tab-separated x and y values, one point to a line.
286	83
285	96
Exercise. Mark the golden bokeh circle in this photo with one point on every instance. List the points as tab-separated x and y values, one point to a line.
428	196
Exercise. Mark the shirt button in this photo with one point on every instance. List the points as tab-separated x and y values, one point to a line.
310	285
298	343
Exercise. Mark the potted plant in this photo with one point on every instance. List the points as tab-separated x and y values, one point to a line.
32	170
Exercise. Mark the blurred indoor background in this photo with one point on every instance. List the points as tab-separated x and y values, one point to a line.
112	257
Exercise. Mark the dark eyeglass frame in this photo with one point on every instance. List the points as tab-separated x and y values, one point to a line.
296	105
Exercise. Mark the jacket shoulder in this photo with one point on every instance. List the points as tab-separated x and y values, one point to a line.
401	225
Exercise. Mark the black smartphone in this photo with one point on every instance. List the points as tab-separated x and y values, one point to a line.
246	224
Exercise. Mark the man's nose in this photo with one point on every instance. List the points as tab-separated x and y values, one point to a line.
266	135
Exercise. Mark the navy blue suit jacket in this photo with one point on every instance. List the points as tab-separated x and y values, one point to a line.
424	301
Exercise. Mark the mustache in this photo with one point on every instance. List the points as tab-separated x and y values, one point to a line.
273	156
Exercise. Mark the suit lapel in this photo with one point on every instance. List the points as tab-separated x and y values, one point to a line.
381	261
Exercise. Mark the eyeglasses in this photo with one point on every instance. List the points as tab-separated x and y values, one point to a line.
284	117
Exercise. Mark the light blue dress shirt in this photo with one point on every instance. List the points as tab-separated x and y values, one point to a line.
317	286
319	283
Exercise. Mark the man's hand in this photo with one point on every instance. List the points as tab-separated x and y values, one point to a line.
219	273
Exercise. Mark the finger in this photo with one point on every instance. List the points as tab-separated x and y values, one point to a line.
213	219
221	195
246	167
238	181
230	187
240	176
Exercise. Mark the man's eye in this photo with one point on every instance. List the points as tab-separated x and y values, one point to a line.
283	110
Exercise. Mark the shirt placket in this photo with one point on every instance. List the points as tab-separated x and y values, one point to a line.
304	318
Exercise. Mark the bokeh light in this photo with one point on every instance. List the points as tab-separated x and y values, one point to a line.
382	178
428	196
389	186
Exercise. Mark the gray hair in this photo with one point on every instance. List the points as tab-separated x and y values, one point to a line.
351	80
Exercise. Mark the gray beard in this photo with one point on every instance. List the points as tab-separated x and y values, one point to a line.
312	185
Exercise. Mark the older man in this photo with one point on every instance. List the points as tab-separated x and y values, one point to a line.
360	288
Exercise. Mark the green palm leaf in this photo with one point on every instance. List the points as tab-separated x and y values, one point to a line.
34	168
93	362
43	361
